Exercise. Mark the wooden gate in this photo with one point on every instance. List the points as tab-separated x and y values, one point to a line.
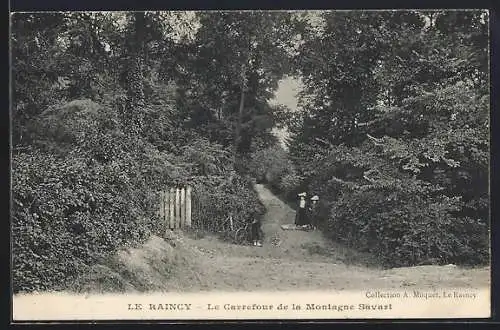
175	207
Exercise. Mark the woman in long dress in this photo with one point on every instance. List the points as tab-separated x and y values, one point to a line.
301	216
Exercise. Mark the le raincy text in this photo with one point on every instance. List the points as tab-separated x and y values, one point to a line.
161	307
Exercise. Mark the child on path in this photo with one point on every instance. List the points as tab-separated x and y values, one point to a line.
313	211
256	232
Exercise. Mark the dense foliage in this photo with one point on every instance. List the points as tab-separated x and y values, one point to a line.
108	109
103	119
394	133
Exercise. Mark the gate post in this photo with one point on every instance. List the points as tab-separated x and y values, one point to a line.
182	214
166	208
188	206
161	212
177	207
171	218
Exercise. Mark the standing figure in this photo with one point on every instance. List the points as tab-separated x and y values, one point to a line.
301	216
313	211
256	232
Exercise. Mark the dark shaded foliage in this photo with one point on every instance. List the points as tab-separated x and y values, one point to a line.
85	189
394	133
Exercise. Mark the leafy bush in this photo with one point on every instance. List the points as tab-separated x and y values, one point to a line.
402	217
215	200
403	226
205	158
290	184
67	214
85	189
398	149
271	165
218	191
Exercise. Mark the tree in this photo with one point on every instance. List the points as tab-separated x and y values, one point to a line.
37	58
336	66
237	62
410	124
96	94
60	57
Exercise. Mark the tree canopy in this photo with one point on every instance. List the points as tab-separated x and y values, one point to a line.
398	102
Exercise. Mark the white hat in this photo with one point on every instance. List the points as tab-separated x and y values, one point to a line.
302	194
315	198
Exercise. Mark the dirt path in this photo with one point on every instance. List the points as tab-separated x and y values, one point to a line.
301	260
288	260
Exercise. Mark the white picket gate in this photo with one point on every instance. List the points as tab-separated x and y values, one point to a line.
175	207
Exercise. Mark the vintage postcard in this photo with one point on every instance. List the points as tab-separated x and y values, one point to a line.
250	165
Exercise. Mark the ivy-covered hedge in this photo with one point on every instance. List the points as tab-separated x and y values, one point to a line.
67	214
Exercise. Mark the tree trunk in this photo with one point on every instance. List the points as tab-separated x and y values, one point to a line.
135	79
243	87
237	133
